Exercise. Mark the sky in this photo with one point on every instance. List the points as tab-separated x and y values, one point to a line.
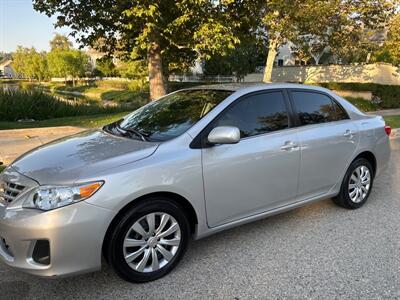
21	25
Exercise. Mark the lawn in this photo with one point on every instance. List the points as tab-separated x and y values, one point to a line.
80	121
393	121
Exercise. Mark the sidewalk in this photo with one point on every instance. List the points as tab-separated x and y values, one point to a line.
18	141
386	112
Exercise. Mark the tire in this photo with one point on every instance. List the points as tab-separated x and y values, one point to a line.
347	196
141	268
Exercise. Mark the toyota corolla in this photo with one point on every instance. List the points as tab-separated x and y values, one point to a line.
193	163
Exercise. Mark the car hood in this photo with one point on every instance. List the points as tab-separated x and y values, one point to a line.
79	156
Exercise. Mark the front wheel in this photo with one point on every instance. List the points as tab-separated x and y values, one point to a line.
149	240
357	185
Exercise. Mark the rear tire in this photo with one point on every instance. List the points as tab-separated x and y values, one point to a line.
357	185
149	240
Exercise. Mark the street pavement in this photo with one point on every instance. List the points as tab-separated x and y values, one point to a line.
16	142
319	251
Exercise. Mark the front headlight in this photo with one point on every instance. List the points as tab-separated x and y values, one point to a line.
51	197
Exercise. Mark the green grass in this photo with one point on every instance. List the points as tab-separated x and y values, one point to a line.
37	105
81	121
393	121
2	168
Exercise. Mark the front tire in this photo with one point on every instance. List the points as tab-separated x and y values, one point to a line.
357	185
149	240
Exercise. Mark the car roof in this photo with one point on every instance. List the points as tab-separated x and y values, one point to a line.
239	89
255	86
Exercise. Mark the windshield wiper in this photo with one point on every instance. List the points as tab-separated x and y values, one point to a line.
142	135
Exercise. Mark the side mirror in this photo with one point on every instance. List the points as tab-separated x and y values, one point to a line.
224	135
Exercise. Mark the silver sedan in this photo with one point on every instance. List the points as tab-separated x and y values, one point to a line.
193	163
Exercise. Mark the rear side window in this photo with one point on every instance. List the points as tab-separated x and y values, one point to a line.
256	114
315	108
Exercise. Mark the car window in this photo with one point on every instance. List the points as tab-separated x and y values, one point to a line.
256	114
340	114
172	114
315	108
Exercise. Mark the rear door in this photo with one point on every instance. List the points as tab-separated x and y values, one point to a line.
261	171
328	139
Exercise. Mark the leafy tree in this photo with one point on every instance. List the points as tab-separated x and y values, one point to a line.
106	67
132	69
60	42
317	26
239	62
68	63
390	51
30	63
161	32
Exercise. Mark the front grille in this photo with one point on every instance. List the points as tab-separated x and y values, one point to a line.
9	191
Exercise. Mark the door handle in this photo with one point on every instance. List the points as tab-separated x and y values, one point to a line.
348	134
289	146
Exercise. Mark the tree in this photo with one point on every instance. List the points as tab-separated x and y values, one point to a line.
68	63
106	67
161	32
390	51
60	42
239	62
30	63
335	25
132	69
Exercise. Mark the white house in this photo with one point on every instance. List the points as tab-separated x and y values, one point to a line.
6	69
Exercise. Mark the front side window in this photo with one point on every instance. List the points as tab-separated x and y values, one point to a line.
315	108
170	116
256	114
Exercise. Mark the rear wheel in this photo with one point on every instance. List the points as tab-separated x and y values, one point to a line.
357	185
149	240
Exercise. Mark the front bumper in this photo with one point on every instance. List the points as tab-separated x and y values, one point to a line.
75	234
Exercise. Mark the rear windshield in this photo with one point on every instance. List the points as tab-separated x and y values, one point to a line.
173	114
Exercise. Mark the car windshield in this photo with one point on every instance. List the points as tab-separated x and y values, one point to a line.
169	116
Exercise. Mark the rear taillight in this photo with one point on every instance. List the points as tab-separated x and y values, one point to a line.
388	129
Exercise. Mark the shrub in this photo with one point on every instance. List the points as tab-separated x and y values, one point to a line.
389	94
37	105
363	104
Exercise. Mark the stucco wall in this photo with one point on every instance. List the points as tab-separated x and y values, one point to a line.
371	73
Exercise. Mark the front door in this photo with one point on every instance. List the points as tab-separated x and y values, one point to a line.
261	171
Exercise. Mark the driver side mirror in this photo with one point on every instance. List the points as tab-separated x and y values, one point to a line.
224	135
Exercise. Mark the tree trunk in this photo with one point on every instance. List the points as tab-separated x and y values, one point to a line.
156	78
272	52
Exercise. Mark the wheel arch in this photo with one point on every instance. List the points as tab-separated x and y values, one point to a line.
176	198
368	155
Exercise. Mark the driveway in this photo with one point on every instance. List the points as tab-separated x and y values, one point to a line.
18	141
319	251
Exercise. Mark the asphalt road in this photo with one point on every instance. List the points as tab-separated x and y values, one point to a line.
319	251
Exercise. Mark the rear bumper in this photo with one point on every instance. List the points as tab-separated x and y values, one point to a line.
382	154
75	234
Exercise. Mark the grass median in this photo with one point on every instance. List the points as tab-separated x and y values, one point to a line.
80	121
393	121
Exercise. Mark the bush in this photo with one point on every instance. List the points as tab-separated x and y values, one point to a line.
37	105
389	94
363	104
